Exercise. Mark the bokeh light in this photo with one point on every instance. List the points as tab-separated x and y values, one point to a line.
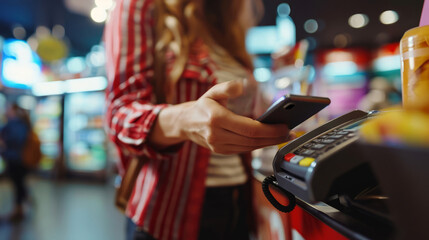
358	20
389	17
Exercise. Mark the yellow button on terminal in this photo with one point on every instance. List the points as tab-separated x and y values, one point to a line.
306	162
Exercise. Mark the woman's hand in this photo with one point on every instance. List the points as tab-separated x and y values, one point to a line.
210	124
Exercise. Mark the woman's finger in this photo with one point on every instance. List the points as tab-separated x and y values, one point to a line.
233	149
251	128
223	136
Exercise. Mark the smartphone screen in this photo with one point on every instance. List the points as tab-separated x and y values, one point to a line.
292	110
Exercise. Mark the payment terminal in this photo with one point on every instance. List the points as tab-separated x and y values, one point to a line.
325	162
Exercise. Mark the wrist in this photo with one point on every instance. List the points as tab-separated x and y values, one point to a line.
169	121
182	114
168	129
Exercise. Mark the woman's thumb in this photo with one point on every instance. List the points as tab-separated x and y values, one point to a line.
226	90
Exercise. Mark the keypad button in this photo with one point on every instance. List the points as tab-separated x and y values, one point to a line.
328	141
335	136
349	130
296	159
299	151
309	145
307	152
351	135
306	162
318	146
288	157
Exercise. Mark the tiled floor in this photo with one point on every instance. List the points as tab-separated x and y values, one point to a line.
63	211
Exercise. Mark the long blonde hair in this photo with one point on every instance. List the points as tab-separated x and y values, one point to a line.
181	22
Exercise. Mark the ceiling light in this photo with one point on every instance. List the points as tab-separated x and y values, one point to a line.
311	26
19	32
358	20
341	40
98	14
389	17
58	31
42	31
283	10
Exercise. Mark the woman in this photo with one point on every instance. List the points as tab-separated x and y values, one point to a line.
176	96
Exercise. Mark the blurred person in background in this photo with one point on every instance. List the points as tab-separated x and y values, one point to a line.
181	96
13	137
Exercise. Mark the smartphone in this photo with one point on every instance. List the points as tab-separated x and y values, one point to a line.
292	109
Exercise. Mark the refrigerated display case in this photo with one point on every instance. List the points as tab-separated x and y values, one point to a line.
85	142
47	120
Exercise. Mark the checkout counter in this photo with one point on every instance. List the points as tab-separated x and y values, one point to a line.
314	221
354	191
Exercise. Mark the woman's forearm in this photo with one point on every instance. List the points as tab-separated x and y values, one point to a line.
208	123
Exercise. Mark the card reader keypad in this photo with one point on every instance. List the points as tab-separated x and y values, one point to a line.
324	143
309	152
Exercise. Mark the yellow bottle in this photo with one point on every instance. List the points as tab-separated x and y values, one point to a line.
414	48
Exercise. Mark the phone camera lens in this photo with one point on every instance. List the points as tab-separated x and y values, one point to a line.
289	106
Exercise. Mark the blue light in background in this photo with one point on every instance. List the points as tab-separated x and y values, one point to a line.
311	74
286	31
21	67
388	63
262	74
283	10
268	39
86	84
345	68
262	40
76	64
48	88
70	86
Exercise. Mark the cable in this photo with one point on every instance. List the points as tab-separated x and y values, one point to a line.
265	188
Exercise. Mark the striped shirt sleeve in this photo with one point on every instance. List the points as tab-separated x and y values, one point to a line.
129	43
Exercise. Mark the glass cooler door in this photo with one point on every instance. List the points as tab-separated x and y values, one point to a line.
47	121
84	137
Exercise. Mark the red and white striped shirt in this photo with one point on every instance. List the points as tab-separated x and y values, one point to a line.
169	191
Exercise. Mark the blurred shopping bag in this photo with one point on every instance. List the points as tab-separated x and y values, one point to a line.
123	192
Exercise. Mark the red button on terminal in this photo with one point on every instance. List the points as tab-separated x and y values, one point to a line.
288	157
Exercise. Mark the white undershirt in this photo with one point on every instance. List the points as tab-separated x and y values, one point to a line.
225	170
228	170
